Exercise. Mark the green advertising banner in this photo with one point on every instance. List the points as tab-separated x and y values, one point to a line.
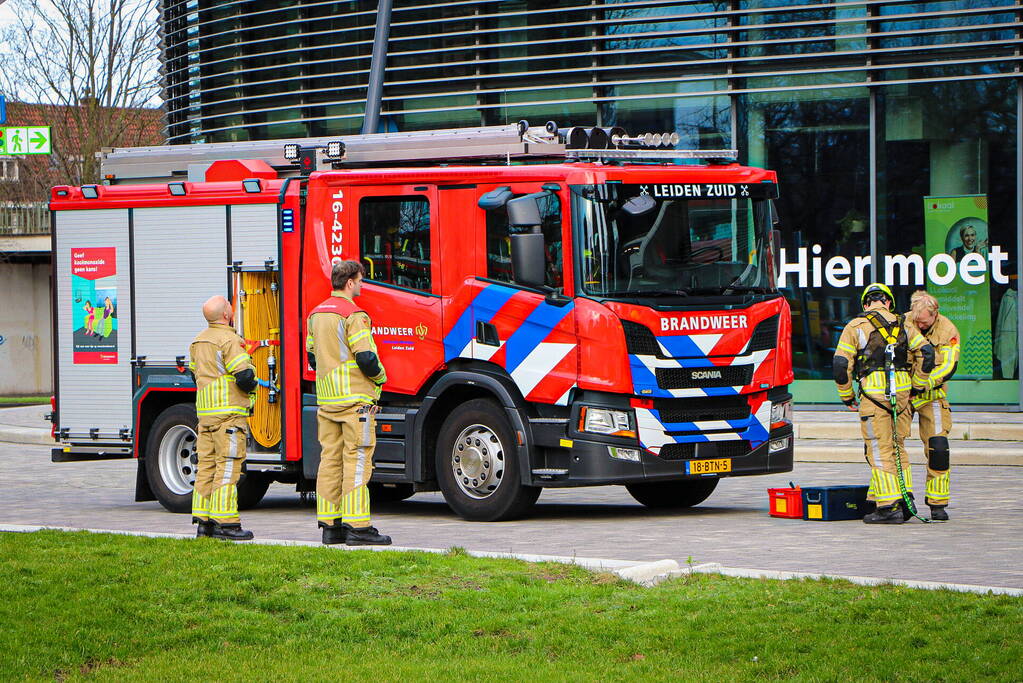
957	227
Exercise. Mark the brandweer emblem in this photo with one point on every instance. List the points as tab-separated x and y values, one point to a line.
697	323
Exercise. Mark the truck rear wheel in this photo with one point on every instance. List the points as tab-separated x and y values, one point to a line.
673	494
172	462
477	466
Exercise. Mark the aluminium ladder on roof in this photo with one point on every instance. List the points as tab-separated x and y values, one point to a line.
497	143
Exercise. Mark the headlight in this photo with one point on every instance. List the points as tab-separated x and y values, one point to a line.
781	414
606	421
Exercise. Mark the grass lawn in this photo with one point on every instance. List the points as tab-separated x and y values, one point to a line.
23	400
105	607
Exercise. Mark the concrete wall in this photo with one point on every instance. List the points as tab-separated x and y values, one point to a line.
26	357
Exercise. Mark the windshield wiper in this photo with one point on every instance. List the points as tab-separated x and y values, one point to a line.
746	289
662	292
641	292
646	292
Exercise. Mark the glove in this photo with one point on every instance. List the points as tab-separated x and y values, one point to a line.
851	402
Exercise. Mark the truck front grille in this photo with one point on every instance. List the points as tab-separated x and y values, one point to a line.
691	378
687	451
702	409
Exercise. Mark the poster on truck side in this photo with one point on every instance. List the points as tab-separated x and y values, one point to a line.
94	305
957	226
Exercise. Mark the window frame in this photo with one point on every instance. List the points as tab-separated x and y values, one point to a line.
406	193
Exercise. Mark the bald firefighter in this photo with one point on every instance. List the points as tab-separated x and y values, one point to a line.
931	402
224	377
879	349
349	375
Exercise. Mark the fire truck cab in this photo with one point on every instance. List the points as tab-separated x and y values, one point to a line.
603	317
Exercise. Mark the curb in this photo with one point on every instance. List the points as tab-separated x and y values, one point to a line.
645	574
714	568
649	573
26	435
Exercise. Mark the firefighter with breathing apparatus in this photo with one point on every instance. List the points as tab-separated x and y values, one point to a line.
888	356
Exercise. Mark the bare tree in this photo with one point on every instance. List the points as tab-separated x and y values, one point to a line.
96	61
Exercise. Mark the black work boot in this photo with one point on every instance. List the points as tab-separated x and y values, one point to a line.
366	535
334	533
906	514
204	527
231	532
891	514
938	513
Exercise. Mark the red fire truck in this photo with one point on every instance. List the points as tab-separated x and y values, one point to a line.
554	309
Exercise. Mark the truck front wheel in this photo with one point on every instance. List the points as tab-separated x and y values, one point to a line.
673	494
477	466
172	462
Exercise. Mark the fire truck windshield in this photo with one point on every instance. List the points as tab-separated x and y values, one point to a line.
671	240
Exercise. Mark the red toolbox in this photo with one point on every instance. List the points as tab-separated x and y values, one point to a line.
786	502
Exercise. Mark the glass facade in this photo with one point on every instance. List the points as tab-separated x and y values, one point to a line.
893	126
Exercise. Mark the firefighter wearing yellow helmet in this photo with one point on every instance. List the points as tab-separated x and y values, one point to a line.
880	350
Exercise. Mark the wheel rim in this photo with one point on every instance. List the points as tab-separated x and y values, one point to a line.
178	459
477	461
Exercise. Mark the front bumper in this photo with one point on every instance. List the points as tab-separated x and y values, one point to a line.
589	463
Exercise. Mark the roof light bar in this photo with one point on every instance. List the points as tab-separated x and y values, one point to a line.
647	139
652	153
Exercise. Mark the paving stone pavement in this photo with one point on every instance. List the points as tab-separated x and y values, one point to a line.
982	544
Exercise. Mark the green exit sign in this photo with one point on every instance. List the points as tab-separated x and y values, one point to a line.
15	140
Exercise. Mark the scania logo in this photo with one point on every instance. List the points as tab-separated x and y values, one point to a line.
706	374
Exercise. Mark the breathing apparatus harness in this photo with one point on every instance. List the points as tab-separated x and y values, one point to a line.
891	337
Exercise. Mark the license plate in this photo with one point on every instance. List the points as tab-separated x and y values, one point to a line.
708	466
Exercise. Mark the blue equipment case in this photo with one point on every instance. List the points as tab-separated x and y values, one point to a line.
834	503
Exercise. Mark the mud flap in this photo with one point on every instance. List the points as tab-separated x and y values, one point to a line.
142	490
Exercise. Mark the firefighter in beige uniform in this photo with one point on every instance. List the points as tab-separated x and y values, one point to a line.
349	375
868	344
224	378
932	402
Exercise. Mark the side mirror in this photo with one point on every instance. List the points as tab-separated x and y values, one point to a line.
524	212
775	219
495	199
527	257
